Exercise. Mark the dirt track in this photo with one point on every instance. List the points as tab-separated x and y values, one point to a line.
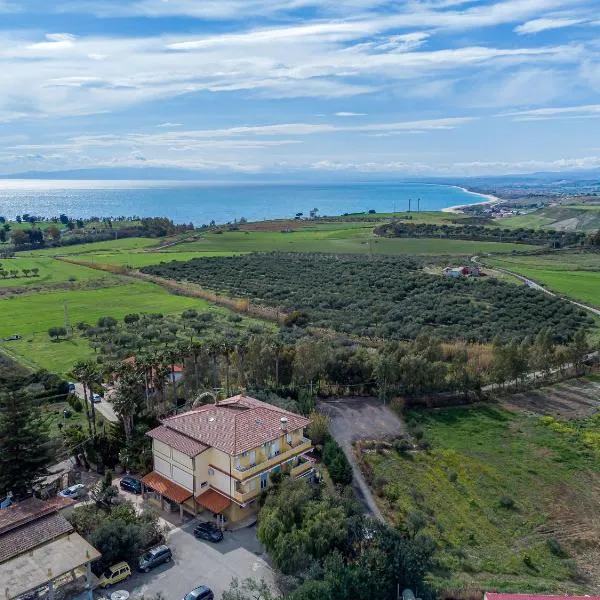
353	419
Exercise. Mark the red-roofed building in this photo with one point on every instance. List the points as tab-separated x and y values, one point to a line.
219	457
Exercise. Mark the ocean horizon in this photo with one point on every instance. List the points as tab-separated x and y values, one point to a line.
202	202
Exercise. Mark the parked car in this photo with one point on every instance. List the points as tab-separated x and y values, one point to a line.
96	398
131	484
70	386
115	574
154	557
74	491
200	593
208	531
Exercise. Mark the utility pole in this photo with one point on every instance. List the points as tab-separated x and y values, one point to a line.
418	204
409	205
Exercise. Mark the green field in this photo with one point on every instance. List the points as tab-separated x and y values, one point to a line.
144	259
490	492
346	240
571	217
576	275
32	315
125	244
50	271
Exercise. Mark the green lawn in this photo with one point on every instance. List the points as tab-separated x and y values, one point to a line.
580	217
491	487
32	315
144	259
50	271
576	275
125	244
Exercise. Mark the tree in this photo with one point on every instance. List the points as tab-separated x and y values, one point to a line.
26	272
86	372
35	271
19	238
543	351
14	273
57	332
578	350
25	445
54	232
129	397
248	589
318	430
105	492
309	361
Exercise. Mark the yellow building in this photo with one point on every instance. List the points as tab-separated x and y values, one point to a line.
220	457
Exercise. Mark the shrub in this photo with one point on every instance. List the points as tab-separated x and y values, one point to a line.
402	445
506	502
556	548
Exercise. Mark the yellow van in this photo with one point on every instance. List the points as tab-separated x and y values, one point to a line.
114	574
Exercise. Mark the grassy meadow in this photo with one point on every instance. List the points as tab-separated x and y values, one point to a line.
498	492
31	315
51	271
576	274
571	217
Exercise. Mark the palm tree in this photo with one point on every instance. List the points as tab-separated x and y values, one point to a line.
226	349
85	371
127	399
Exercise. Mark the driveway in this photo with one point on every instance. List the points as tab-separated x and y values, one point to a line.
105	408
197	563
353	419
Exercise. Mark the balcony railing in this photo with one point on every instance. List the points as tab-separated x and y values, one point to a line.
303	445
301	469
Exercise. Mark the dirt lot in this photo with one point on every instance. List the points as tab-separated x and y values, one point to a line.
353	419
573	399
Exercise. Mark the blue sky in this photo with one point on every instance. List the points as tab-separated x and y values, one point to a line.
407	87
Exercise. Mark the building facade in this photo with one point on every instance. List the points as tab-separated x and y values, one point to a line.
220	457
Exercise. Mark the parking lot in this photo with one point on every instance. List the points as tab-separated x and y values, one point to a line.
197	562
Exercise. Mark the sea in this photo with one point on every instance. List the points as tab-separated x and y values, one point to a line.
200	202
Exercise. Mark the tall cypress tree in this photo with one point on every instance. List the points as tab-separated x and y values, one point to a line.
25	446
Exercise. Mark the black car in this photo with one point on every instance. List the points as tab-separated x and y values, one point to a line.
209	532
130	484
200	593
154	557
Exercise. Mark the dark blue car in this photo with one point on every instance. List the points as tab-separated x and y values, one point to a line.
131	484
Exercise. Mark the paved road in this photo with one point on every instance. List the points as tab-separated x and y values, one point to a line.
353	419
105	408
197	563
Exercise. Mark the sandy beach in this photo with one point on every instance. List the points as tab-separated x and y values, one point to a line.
490	199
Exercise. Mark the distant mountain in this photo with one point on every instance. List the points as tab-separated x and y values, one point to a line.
158	173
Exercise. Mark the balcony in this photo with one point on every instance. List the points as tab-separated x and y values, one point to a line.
242	496
287	452
301	468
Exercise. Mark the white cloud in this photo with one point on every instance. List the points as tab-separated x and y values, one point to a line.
349	114
558	112
544	24
169	125
55	41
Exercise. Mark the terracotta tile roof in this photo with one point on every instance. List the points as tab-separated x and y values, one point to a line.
213	501
32	534
166	488
183	443
23	512
235	425
494	596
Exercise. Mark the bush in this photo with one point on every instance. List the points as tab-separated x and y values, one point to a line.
402	445
506	502
555	548
336	462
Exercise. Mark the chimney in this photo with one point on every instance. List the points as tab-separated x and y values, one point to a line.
284	423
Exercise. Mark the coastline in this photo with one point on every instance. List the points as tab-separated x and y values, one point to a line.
459	207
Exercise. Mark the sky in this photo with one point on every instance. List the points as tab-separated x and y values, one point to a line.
400	87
